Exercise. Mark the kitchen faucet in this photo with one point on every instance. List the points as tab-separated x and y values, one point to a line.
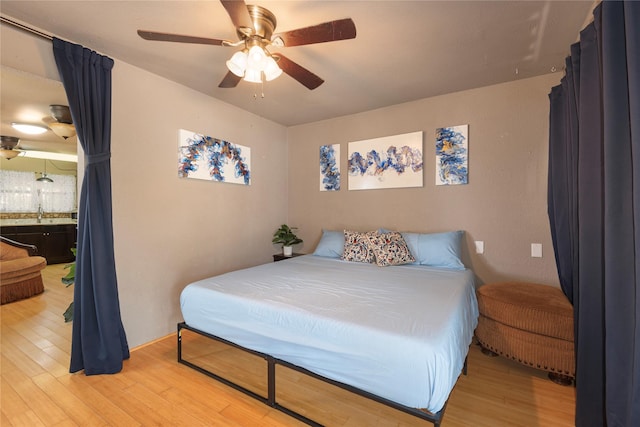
40	212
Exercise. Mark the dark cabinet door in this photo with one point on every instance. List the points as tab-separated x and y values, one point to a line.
59	241
9	233
32	236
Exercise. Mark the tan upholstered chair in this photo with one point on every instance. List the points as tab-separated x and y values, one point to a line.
20	271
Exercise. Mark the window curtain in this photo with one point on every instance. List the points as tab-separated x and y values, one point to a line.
99	344
20	192
594	211
59	195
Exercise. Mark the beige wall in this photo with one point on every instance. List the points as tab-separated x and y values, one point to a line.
170	231
504	203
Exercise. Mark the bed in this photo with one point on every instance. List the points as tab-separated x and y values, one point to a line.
397	334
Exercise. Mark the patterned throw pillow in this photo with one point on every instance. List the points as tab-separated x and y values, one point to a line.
390	249
357	247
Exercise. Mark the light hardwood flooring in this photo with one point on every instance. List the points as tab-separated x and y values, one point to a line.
153	389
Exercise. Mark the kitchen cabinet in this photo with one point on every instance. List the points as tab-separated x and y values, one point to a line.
54	242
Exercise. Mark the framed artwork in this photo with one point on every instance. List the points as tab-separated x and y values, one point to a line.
212	159
452	155
330	167
388	162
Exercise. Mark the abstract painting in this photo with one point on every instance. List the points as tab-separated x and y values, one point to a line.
330	167
212	159
388	162
452	155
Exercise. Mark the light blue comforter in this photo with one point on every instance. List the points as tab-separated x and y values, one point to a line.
399	332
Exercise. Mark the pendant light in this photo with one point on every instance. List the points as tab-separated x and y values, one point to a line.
44	177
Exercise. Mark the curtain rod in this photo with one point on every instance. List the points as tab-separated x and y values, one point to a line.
25	28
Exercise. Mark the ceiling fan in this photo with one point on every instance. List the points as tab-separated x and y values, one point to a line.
8	145
255	26
62	124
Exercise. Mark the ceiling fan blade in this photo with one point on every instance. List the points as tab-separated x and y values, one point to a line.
167	37
230	80
342	29
301	74
238	12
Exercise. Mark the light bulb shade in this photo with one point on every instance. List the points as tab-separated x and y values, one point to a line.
253	76
257	59
29	129
238	63
271	71
44	178
63	130
8	154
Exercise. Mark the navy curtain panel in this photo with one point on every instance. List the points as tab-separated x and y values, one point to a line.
99	344
594	211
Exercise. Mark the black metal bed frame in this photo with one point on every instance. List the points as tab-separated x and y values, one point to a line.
270	400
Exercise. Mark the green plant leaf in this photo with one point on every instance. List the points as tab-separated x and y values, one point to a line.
70	278
68	314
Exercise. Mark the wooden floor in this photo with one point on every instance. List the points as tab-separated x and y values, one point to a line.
153	389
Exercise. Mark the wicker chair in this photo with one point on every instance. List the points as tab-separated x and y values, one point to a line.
529	323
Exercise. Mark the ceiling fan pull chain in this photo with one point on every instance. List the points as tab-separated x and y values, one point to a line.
255	94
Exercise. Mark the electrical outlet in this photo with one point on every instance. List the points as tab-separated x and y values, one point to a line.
479	247
536	250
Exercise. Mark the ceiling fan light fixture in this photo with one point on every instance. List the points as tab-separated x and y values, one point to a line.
9	154
272	71
7	145
63	125
29	129
251	63
63	130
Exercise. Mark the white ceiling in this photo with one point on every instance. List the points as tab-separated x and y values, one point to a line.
404	50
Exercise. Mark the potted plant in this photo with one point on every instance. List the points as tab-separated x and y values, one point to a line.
286	236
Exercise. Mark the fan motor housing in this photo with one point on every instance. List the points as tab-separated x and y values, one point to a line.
8	142
264	23
61	113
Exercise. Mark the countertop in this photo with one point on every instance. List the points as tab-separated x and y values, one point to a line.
33	221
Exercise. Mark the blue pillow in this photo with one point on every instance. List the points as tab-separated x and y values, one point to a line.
331	244
437	249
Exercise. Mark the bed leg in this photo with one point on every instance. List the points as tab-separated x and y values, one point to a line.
271	381
179	335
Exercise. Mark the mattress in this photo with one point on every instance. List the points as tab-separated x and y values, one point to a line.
399	332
